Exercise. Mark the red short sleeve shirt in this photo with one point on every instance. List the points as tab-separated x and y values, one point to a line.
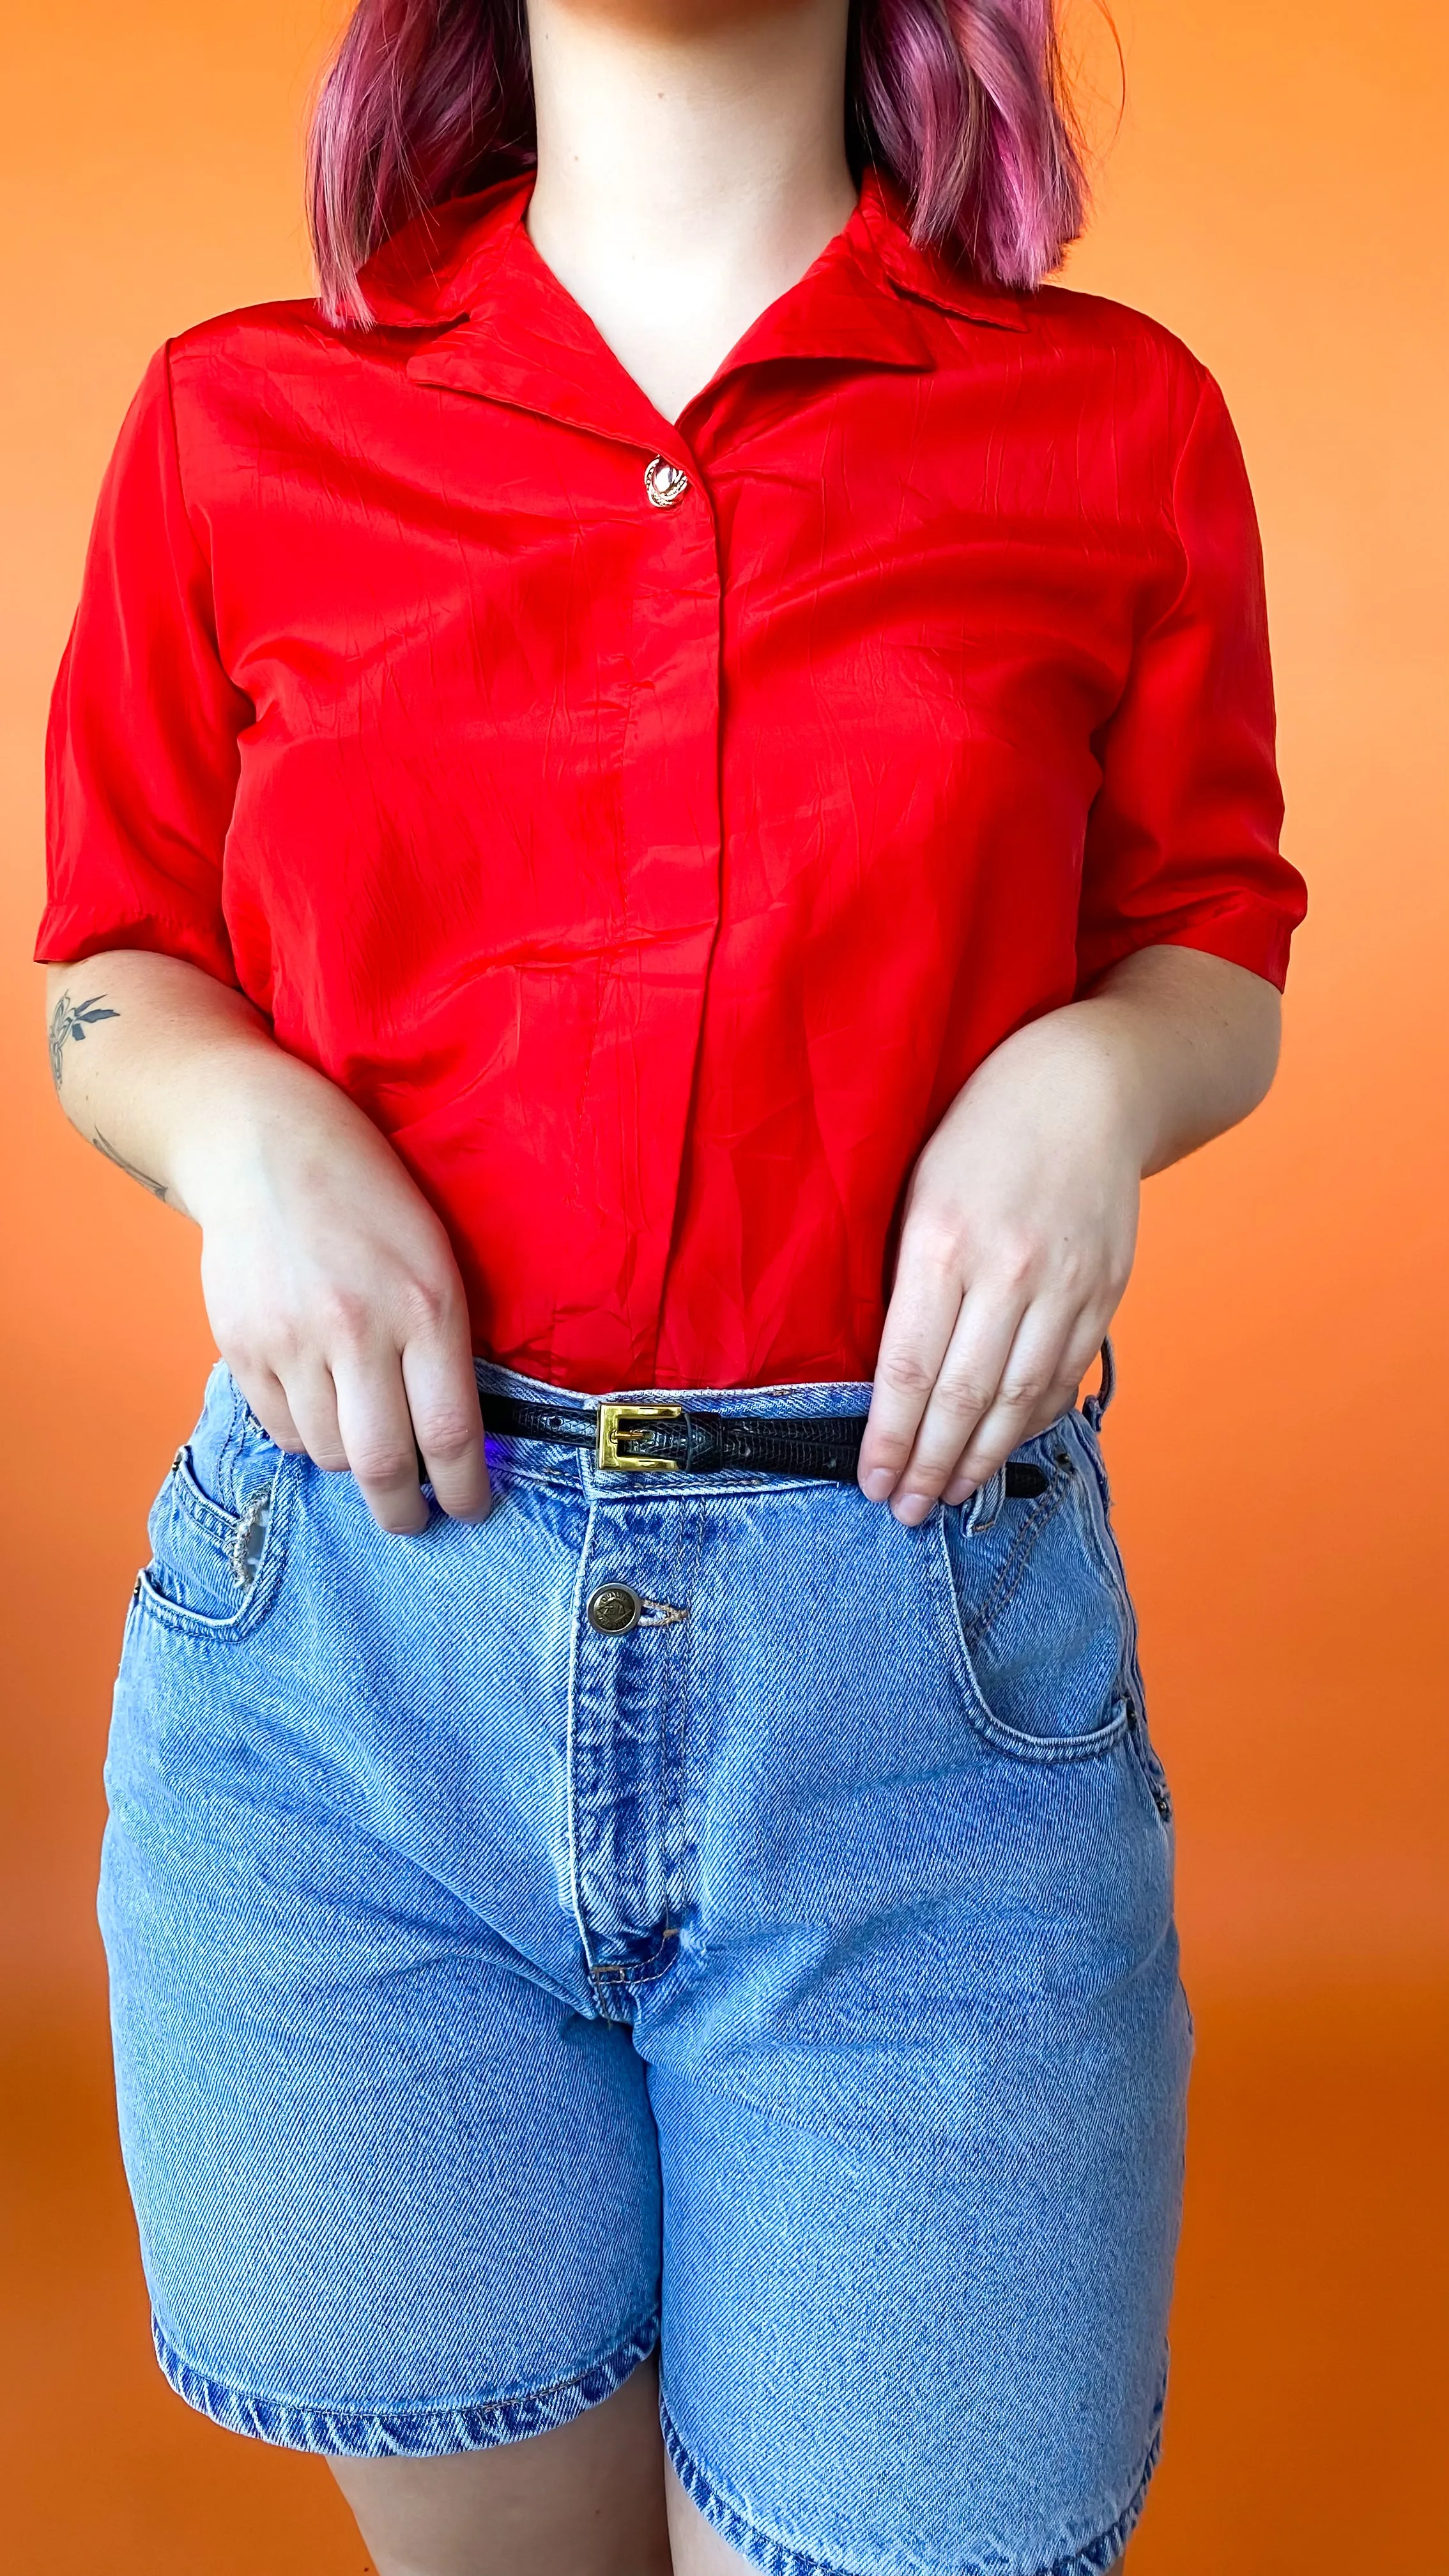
653	825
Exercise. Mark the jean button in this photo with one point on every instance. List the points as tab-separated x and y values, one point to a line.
613	1608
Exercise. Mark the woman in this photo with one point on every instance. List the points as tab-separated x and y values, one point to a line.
669	799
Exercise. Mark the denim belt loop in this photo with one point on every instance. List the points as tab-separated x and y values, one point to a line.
985	1503
1096	1405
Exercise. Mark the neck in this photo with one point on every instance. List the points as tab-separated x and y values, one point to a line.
691	166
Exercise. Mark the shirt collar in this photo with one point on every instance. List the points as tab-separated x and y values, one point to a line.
926	271
500	324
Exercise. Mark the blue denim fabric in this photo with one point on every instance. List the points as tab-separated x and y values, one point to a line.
792	1981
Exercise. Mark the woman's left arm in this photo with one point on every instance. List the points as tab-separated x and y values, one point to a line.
1021	1216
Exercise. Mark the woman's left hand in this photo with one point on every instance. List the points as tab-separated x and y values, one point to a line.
1017	1242
1021	1216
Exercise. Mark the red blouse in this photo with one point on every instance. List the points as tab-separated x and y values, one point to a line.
652	825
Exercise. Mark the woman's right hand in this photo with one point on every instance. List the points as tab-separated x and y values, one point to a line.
337	1303
330	1283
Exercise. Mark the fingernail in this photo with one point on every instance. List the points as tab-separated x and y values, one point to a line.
912	1509
877	1484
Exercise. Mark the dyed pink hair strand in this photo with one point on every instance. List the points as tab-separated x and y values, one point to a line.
961	102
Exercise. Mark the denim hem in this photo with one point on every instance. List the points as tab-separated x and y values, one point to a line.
778	2557
419	2432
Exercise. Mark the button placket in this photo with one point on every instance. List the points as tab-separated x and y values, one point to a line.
626	1748
666	802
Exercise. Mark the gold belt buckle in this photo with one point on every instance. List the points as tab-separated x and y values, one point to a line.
614	1427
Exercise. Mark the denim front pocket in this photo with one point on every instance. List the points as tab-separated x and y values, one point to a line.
1044	1625
214	1527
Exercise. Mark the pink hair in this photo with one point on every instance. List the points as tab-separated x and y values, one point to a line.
961	102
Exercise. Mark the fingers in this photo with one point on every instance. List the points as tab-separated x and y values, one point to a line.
919	1326
965	1388
442	1396
417	1401
376	1433
267	1398
311	1399
1009	1368
1049	1357
390	1415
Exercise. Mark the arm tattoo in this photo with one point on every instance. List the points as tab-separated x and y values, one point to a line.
71	1020
157	1188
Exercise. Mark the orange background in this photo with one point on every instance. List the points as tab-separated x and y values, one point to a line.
1273	194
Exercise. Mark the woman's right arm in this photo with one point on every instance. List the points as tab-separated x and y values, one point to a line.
330	1283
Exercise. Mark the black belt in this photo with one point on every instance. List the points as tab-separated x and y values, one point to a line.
634	1437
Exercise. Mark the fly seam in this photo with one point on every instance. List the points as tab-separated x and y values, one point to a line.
686	1645
571	1739
662	1782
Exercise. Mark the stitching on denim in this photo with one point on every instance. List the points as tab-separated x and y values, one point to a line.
705	1484
189	1495
576	1892
778	2557
1108	1553
656	1963
1101	1537
663	1783
672	1782
981	1715
1058	1748
201	1627
1099	1544
1012	1574
196	1625
243	1423
1149	1765
365	2432
519	1474
237	1411
608	1978
686	1649
626	1973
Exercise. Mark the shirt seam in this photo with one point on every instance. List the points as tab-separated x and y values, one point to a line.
1166	615
203	554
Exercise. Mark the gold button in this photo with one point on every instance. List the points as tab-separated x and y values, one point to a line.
665	484
613	1609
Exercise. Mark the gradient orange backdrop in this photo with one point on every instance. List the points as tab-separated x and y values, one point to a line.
1275	194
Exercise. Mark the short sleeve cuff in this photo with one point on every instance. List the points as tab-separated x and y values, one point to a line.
1241	929
69	933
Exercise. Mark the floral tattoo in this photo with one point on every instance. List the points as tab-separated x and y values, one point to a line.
71	1020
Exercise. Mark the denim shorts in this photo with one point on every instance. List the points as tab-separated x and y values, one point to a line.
788	1981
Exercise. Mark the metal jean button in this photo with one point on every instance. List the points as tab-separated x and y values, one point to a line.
613	1608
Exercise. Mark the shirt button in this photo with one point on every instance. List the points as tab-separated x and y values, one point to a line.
613	1609
665	484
